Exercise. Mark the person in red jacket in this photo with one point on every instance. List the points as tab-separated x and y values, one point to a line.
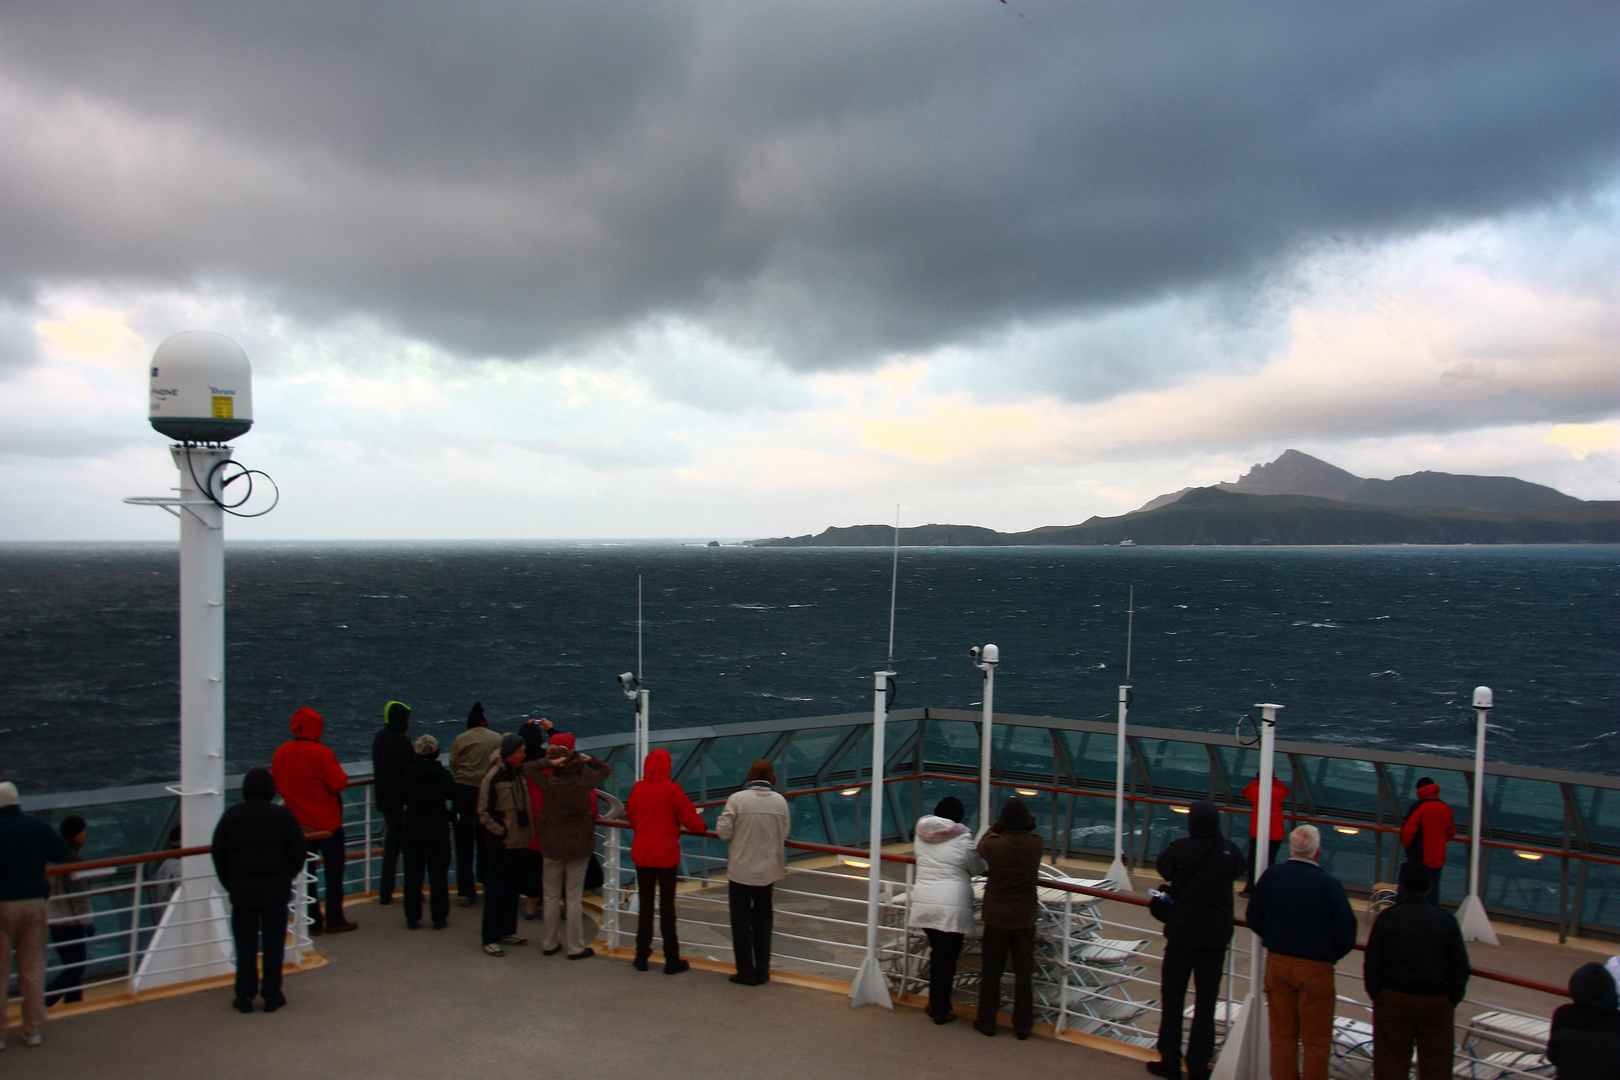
1279	792
308	776
1428	828
657	810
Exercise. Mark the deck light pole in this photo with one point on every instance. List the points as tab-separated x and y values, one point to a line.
1247	1053
985	660
1475	923
869	987
1117	874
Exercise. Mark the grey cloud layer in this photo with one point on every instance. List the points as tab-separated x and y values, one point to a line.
826	180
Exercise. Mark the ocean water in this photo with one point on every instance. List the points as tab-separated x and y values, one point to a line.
1376	647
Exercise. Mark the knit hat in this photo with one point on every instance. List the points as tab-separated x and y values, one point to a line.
1414	878
475	715
564	738
71	826
511	744
950	808
8	794
259	784
426	746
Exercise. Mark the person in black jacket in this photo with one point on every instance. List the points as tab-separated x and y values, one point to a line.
391	758
429	792
258	847
1416	972
1584	1043
1200	869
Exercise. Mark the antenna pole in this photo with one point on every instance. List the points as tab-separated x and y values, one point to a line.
894	583
1117	873
1130	632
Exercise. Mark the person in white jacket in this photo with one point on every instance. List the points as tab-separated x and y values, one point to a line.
754	824
942	897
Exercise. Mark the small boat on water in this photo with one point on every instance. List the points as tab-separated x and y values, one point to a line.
1127	542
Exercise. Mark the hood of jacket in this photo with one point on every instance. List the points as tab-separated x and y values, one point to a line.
1428	791
562	738
259	784
933	830
1593	989
1204	819
306	723
397	715
658	765
1015	817
475	715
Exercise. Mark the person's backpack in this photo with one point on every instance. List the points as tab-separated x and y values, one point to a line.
1163	899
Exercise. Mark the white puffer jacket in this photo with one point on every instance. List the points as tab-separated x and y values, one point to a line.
942	898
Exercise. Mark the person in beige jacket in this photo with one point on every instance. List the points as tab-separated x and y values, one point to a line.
754	824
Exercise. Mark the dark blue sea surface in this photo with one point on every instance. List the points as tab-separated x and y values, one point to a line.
1376	647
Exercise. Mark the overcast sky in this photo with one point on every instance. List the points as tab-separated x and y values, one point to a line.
731	270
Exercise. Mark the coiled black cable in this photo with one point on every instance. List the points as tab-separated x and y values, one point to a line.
244	473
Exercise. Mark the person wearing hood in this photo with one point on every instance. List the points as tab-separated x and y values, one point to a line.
657	809
1584	1041
1200	869
1011	850
941	900
427	794
71	920
1279	826
26	845
391	758
469	761
754	824
536	736
1416	972
1428	828
566	779
507	818
309	778
257	848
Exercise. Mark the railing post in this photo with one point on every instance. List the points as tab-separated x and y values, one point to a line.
367	879
614	889
135	923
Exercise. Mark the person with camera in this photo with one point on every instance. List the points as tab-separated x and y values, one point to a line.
1011	851
508	818
1200	869
566	778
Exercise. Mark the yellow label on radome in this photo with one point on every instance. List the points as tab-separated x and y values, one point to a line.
224	408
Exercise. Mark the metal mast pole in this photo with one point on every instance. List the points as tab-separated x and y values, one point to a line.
992	657
869	987
1117	873
1475	923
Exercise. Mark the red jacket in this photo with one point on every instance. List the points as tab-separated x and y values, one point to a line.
1279	792
1428	827
308	776
657	809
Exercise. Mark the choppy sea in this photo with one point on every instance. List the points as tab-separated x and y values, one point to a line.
1376	647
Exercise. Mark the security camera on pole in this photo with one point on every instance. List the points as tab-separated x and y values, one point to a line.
985	660
202	395
630	683
1246	1054
1475	923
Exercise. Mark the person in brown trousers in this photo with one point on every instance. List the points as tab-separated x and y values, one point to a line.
1416	973
566	778
1012	852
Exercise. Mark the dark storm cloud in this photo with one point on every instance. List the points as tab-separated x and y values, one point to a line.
829	180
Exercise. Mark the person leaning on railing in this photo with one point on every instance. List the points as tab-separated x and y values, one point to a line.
1305	922
469	761
310	779
257	848
567	823
656	809
1584	1041
1200	868
26	845
71	920
941	899
1011	851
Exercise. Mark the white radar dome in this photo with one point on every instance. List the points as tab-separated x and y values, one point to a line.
202	388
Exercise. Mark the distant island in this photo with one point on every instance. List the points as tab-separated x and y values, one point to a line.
1297	499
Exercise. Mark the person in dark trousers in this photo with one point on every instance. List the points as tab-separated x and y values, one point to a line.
567	781
941	899
507	817
754	825
309	778
391	758
427	795
1279	827
1305	922
1416	972
469	761
657	809
1584	1042
257	848
71	920
26	845
1200	869
1429	827
1011	851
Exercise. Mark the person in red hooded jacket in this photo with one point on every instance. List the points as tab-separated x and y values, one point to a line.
309	778
1279	828
657	810
1428	828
